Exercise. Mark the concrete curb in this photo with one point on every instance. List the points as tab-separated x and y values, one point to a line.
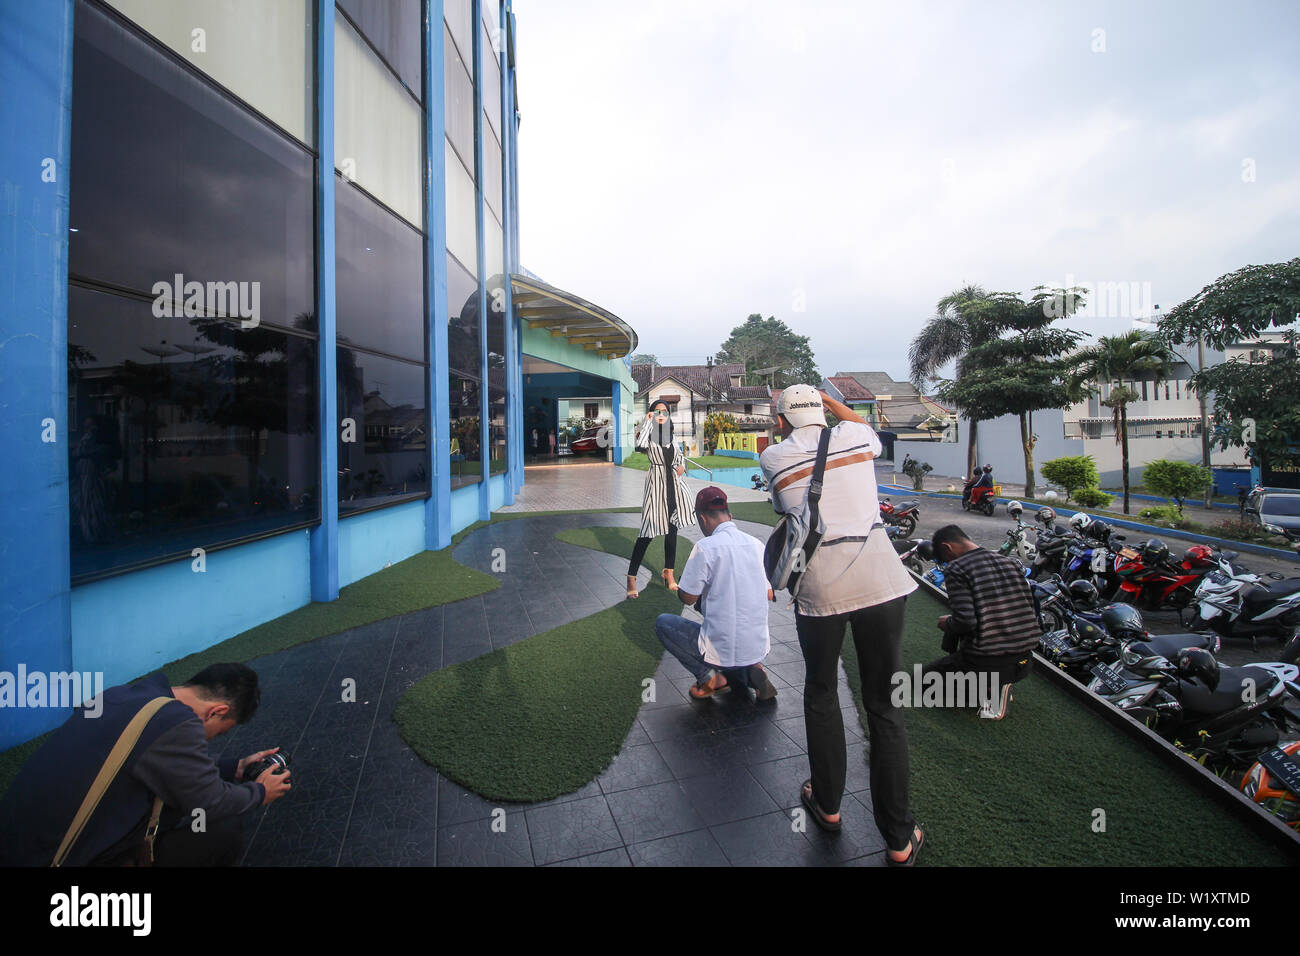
1228	543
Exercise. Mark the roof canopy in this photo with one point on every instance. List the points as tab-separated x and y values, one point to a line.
566	316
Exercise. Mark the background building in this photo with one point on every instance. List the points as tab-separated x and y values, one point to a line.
267	331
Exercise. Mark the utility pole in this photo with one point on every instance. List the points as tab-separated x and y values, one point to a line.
1205	421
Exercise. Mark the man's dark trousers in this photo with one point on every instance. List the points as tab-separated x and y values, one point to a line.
877	636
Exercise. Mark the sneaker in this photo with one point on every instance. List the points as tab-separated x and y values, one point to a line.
716	684
764	689
996	709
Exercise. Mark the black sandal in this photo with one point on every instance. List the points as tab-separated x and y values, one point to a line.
818	815
913	845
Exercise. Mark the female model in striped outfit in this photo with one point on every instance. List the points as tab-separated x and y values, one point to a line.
666	506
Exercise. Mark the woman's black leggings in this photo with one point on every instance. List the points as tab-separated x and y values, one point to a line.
670	551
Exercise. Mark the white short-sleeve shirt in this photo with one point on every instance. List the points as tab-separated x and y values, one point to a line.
848	575
726	570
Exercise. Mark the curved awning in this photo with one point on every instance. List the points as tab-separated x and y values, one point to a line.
567	316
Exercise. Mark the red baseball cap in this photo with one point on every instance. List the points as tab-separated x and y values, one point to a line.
711	498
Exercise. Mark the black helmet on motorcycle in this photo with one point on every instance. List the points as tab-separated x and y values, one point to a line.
1084	594
1088	634
1123	621
988	468
1198	662
1155	553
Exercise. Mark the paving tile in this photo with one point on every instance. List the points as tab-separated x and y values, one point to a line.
457	805
727	795
769	840
616	857
300	834
635	767
858	836
572	829
475	843
648	813
696	848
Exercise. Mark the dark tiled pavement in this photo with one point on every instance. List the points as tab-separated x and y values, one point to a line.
704	783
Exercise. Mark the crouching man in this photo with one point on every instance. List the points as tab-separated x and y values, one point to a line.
724	578
993	629
126	787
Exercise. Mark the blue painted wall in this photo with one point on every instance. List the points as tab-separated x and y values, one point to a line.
370	542
134	623
464	507
35	128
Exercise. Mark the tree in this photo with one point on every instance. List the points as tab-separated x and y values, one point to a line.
950	334
770	344
644	358
716	424
1017	365
1072	472
1176	480
1255	405
1133	356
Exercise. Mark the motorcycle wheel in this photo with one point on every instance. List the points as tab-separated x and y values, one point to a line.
965	504
908	524
1053	620
987	507
1290	653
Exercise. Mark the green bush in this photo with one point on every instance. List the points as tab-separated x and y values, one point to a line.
1176	480
1093	497
1071	472
1239	530
1163	514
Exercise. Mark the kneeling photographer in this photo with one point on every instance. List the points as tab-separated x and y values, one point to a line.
136	784
993	628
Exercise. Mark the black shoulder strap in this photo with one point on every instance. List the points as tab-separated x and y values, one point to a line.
819	469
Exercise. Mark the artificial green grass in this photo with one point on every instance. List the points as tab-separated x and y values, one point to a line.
1023	791
545	716
640	462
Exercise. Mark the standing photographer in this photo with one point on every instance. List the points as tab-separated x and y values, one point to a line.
855	578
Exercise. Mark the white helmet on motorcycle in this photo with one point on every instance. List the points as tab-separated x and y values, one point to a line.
1015	509
1046	515
1080	521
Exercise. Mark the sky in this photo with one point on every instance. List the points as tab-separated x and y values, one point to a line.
843	166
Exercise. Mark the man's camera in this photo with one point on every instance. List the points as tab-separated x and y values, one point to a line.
279	762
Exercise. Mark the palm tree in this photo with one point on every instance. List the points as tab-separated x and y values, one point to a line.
1134	356
951	333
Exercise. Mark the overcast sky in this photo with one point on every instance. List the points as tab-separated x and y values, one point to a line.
844	166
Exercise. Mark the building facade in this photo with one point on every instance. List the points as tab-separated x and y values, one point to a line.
268	330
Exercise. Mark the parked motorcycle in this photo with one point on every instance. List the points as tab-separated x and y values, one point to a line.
904	515
1246	606
1274	783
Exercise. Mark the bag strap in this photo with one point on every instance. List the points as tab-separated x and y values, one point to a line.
819	472
107	773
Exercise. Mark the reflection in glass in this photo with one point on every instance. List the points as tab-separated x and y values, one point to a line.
496	362
170	177
380	291
186	432
459	92
394	27
465	374
383	430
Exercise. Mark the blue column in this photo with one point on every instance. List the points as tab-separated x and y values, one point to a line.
514	446
437	509
484	448
325	537
618	422
35	155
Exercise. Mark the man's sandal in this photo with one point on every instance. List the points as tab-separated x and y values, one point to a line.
701	691
913	846
818	815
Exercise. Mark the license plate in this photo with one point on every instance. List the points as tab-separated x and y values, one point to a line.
1054	644
1110	678
1282	767
1128	553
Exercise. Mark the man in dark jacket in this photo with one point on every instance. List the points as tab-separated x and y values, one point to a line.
993	628
202	800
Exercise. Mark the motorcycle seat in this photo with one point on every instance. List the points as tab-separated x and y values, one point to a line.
1168	645
1281	589
1195	696
903	506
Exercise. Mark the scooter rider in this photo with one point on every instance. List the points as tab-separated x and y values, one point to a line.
983	478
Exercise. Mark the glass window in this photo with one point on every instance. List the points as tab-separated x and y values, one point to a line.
262	52
185	432
378	128
460	104
459	16
496	361
491	77
465	375
383	430
493	248
395	28
492	172
462	204
219	198
380	292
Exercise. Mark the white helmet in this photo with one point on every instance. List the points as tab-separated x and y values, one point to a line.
1015	509
1080	521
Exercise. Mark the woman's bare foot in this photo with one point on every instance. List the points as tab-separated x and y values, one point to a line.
668	579
631	586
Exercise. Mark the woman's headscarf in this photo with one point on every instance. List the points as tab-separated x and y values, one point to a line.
661	434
